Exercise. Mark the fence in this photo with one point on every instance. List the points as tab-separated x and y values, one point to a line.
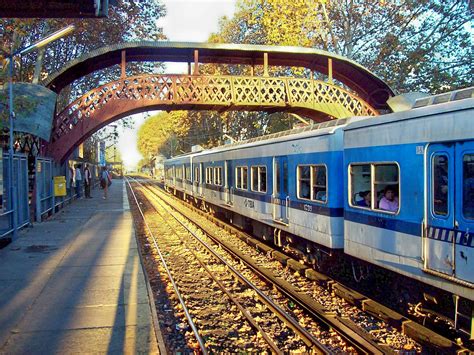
44	187
18	191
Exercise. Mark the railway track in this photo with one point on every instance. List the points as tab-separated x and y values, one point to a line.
262	314
305	301
384	325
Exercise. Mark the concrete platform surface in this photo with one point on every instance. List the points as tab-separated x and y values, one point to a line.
74	284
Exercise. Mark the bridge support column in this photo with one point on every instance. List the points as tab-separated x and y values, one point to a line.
196	62
265	64
330	71
123	64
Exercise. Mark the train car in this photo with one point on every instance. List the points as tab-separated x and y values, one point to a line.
283	186
409	205
178	174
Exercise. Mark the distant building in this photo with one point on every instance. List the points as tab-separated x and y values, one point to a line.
157	166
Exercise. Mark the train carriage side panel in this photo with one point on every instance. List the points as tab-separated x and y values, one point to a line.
318	221
413	240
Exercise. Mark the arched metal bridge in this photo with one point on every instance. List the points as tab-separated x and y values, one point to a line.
196	91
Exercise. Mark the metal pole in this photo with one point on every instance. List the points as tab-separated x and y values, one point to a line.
10	152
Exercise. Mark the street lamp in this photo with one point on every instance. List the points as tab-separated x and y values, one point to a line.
37	45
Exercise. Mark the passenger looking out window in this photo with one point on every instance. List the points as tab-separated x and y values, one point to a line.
365	202
389	201
378	180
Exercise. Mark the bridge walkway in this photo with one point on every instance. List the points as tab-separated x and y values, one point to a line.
75	284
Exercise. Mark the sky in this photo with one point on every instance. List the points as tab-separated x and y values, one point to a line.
186	21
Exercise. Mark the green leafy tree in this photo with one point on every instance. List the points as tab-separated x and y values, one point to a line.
414	45
163	133
129	20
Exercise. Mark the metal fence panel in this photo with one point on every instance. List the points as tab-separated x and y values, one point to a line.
19	190
44	187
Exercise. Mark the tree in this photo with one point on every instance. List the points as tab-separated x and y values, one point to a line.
129	20
426	43
161	133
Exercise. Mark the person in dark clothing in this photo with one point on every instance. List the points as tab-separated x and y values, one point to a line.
87	181
365	202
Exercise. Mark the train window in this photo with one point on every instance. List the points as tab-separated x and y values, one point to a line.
179	173
262	179
218	176
209	175
258	178
254	178
277	176
360	185
241	177
244	177
285	177
312	182
238	177
440	187
386	187
468	186
304	182
381	194
187	172
319	182
196	174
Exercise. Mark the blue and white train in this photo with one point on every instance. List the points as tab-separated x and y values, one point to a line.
396	190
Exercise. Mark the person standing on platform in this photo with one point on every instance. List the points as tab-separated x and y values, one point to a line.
105	181
72	181
78	175
87	181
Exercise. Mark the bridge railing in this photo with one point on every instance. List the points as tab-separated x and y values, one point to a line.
240	92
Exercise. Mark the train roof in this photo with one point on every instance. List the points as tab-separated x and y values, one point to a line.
427	106
323	128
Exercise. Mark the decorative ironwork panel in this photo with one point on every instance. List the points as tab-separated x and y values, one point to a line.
246	90
238	92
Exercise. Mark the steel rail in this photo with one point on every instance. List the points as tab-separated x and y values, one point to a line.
418	332
356	340
175	287
307	338
244	311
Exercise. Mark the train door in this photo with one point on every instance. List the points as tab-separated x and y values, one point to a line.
280	198
450	214
200	180
195	179
464	211
229	183
219	181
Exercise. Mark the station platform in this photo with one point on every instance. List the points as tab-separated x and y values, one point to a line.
75	283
